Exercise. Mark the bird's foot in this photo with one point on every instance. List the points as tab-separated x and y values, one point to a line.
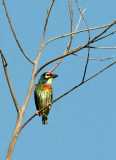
37	112
48	105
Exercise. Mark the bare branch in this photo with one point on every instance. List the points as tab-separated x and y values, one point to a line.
71	37
46	22
80	20
14	137
71	14
103	31
105	36
84	81
80	10
84	30
101	47
101	59
15	33
68	92
9	83
27	121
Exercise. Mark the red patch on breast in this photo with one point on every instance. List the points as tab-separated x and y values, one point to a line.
47	87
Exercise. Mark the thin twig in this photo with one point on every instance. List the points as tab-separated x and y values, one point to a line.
71	14
80	20
101	59
15	34
105	36
71	24
71	37
46	22
69	92
27	121
85	70
44	31
103	31
101	47
84	82
9	82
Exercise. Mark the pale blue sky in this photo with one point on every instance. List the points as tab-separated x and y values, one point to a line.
81	125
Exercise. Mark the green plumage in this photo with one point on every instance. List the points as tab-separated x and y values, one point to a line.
42	98
43	94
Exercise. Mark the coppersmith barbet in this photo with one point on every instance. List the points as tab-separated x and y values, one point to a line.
43	95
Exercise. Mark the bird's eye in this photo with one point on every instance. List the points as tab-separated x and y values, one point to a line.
47	74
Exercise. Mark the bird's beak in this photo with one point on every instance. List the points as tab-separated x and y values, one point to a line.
54	76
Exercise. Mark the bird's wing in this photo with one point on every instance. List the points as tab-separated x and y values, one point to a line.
36	101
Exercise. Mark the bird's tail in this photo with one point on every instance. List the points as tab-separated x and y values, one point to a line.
44	119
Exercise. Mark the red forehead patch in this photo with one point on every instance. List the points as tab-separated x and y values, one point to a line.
50	73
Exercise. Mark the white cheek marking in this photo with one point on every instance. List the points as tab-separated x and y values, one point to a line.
47	76
49	81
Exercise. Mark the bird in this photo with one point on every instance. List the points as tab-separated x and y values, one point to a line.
43	95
